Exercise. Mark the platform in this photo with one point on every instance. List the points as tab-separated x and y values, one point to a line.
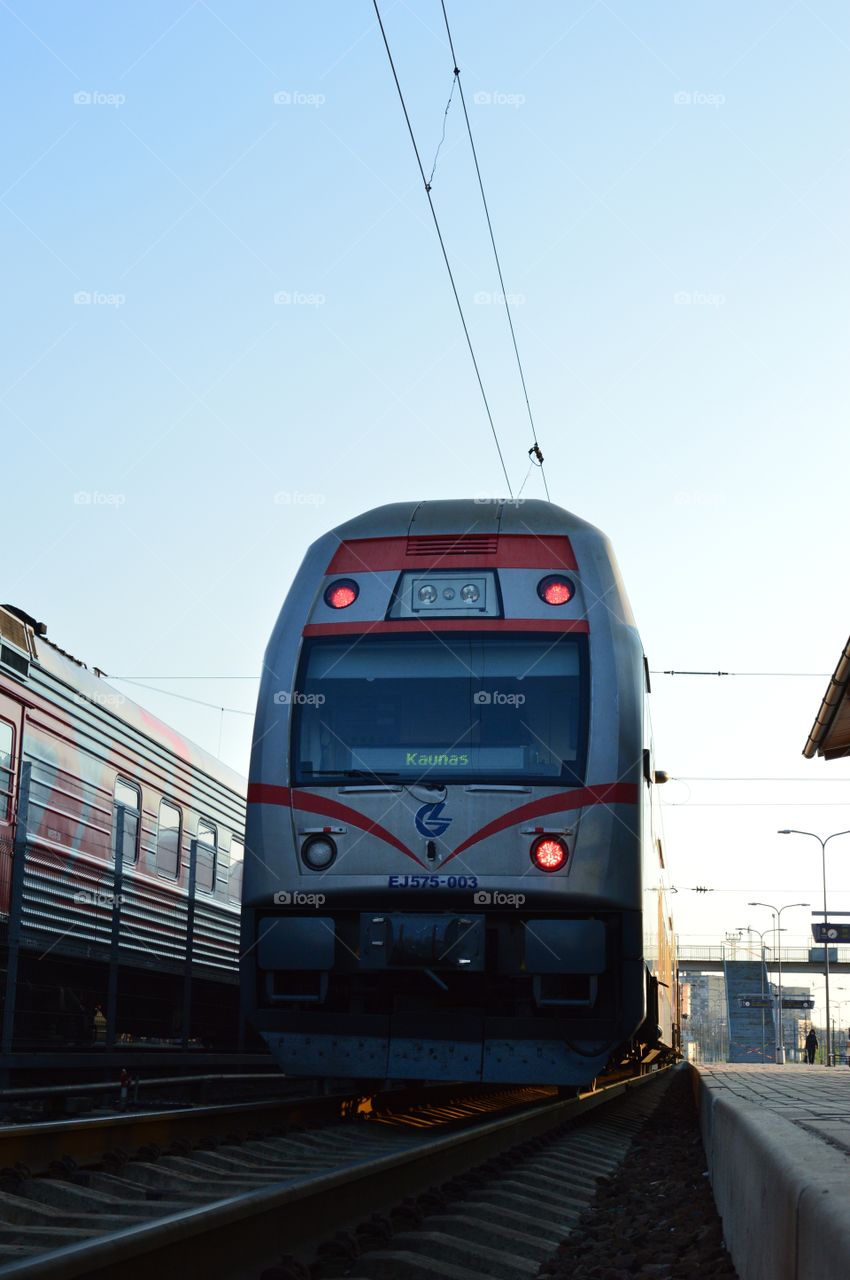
777	1140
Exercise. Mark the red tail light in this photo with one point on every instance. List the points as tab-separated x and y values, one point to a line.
549	853
340	594
555	589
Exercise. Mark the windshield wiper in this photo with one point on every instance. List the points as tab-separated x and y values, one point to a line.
353	773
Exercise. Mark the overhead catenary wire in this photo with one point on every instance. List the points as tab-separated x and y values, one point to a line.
427	187
774	675
443	136
534	452
169	693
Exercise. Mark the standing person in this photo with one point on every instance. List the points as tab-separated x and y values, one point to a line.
811	1045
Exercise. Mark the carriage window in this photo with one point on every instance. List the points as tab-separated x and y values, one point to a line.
206	847
168	840
237	859
127	800
6	774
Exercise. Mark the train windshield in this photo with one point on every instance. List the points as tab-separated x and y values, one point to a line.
441	708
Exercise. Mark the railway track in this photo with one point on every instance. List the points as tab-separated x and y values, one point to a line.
227	1191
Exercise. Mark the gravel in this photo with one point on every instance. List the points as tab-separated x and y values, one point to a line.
655	1216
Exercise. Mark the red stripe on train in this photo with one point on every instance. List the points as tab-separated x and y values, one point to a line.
583	797
461	551
265	793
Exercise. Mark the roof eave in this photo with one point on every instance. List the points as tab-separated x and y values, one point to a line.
836	691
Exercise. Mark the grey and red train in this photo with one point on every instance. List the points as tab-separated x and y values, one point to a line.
121	851
455	868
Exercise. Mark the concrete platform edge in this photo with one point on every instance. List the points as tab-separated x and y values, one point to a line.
783	1195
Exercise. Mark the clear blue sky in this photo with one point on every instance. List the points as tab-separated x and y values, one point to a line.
669	189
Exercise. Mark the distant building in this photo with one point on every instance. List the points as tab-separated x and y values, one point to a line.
705	1032
795	1022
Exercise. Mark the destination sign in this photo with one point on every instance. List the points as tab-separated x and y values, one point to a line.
757	1002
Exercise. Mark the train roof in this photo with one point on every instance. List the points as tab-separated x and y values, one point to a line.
31	644
465	516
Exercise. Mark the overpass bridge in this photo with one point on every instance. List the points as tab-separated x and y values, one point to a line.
710	959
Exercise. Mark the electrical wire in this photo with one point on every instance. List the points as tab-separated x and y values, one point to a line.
535	447
427	187
776	675
443	137
168	693
697	777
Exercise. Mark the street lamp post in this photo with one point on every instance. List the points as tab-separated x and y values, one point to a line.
823	842
777	911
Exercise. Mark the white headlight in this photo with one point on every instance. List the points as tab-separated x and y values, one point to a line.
318	852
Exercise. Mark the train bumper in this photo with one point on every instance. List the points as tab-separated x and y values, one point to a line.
449	996
414	940
407	1057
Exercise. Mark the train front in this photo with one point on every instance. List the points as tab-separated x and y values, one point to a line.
445	804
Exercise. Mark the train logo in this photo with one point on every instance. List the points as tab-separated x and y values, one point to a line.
430	821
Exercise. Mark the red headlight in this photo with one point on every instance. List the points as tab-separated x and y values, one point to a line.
549	853
342	593
555	589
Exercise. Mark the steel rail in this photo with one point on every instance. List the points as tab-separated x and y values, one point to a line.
88	1139
254	1228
